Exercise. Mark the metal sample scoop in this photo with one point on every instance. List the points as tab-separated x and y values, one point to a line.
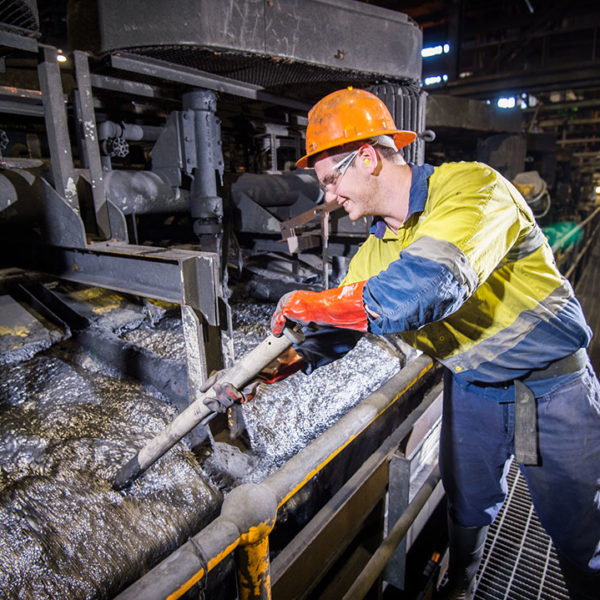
239	375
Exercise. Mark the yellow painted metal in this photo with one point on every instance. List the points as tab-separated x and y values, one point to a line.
254	570
252	561
254	577
213	562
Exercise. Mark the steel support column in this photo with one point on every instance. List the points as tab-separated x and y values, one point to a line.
194	77
86	121
399	488
203	340
59	143
203	351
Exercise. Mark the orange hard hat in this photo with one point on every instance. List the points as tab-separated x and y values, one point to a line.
346	116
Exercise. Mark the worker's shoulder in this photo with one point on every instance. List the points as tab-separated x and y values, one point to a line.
463	178
465	170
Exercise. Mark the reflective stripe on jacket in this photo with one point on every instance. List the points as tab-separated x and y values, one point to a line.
469	278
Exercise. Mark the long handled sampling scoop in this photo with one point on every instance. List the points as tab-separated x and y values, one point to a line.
242	373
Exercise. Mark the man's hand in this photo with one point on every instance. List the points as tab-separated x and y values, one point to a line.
226	394
340	307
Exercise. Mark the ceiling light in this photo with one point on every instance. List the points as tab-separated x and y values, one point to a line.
506	102
433	80
435	50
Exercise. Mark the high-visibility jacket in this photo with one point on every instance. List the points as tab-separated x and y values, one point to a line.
469	278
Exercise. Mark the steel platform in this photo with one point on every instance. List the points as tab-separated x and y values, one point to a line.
520	561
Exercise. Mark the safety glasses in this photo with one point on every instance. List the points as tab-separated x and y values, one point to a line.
338	172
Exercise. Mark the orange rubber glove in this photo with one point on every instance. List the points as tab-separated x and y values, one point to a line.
340	307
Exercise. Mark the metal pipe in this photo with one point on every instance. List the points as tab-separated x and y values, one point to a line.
294	474
217	540
147	192
239	375
128	131
360	488
282	189
201	106
368	576
185	567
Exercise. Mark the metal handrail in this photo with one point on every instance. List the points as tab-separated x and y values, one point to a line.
559	243
250	510
583	252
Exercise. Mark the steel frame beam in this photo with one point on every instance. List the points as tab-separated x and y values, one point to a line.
160	69
184	277
178	276
540	80
20	108
125	86
18	41
20	101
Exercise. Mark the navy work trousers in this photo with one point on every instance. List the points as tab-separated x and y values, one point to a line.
477	444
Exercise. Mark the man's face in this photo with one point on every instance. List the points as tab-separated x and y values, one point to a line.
346	184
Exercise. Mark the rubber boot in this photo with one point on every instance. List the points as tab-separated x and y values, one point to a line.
581	585
466	550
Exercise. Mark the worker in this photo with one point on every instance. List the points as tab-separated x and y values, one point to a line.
456	263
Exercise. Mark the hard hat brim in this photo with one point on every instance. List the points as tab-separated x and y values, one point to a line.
401	137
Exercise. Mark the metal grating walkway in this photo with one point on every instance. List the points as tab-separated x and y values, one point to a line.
520	561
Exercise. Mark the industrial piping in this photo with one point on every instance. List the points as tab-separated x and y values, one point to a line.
249	511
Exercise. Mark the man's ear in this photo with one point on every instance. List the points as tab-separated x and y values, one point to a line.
368	156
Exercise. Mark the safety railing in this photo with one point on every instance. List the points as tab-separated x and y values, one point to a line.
572	250
249	512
